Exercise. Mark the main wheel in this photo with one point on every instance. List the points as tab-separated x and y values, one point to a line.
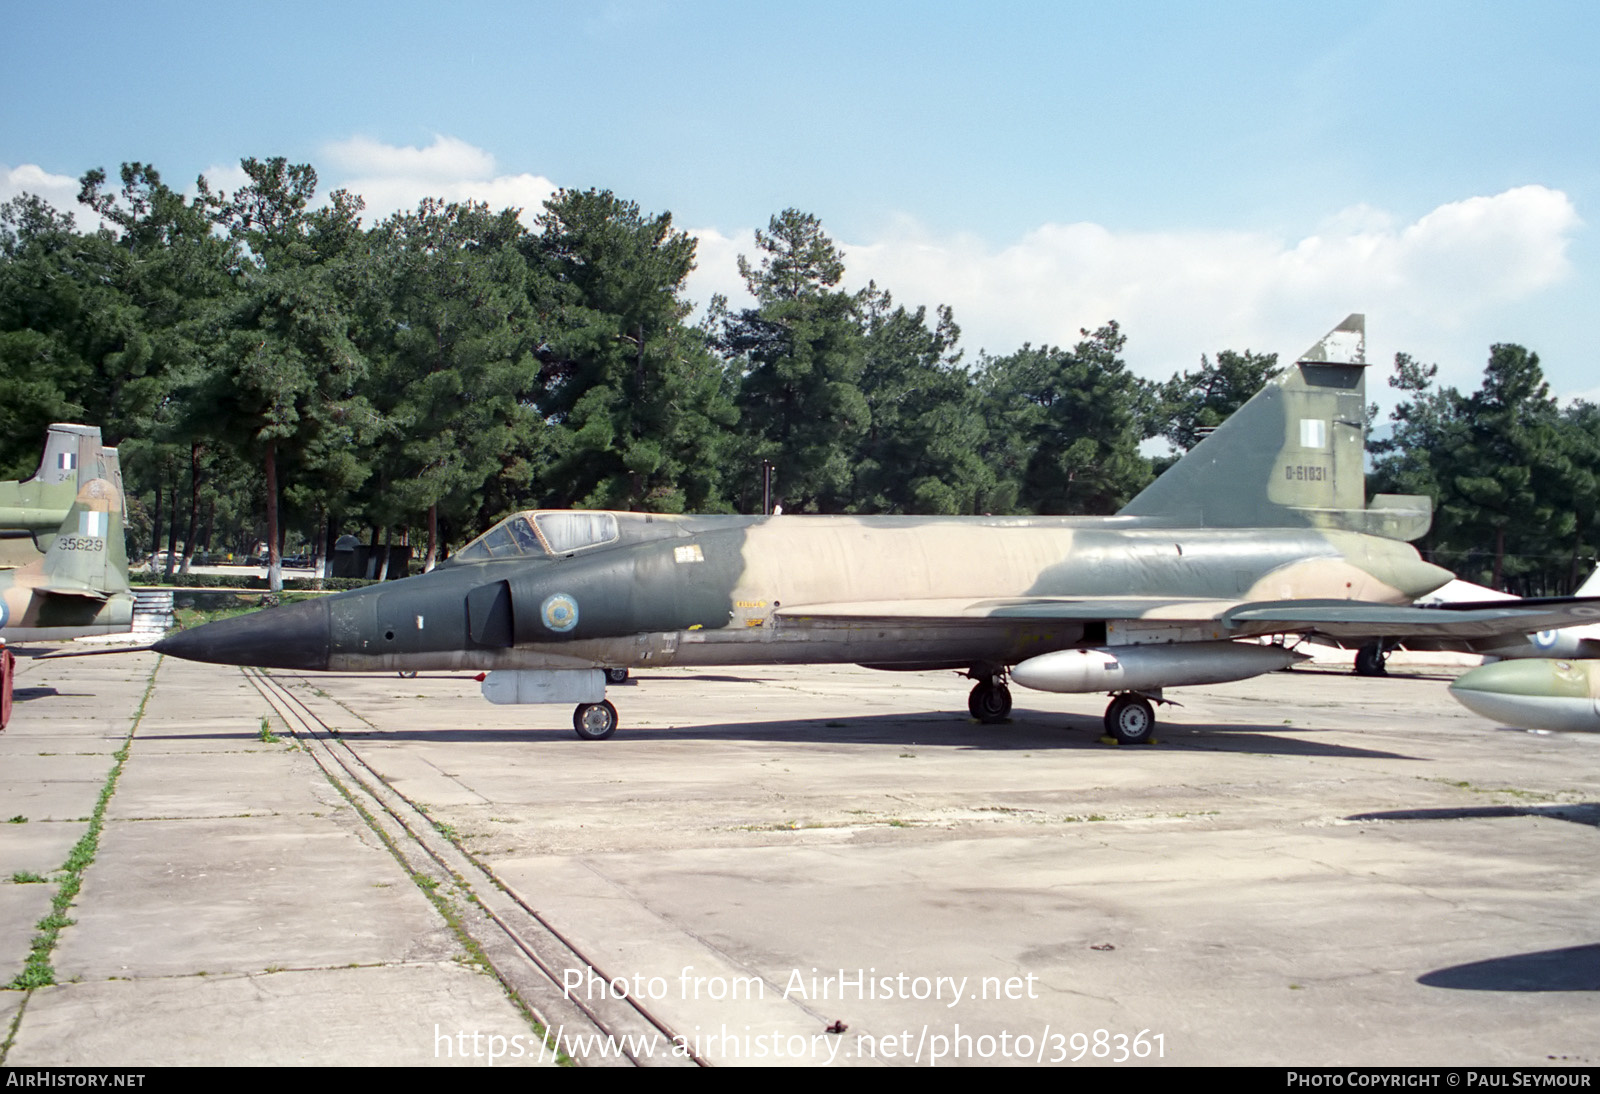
595	721
616	676
1130	719
989	702
1370	660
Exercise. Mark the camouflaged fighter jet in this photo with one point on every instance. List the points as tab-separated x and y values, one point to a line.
1263	529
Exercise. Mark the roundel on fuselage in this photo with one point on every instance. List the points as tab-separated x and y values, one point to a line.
5	612
559	612
1546	639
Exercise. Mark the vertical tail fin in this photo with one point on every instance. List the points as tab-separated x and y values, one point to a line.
67	449
39	504
1293	456
89	553
110	469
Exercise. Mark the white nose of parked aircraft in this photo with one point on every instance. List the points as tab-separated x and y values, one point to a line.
1534	694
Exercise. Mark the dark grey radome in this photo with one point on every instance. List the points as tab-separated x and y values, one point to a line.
291	637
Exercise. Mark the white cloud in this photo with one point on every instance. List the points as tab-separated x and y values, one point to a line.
61	191
1178	294
717	267
394	178
447	159
1443	287
29	178
224	179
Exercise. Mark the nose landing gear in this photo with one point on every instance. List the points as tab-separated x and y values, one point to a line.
595	721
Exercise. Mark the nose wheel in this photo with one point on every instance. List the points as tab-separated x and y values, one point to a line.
1130	719
990	701
595	721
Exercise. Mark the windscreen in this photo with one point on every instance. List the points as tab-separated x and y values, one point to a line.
564	531
569	531
511	538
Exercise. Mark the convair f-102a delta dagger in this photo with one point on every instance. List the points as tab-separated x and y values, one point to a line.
1263	529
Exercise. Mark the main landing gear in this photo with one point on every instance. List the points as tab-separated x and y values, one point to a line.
1371	660
1130	719
990	700
595	721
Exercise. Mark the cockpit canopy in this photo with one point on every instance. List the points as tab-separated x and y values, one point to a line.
537	533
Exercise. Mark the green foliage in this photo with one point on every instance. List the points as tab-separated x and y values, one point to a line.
1187	407
1574	481
800	358
1508	442
641	399
46	294
451	336
272	369
1512	477
921	450
1064	426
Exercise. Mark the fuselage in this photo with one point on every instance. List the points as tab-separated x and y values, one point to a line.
559	590
30	613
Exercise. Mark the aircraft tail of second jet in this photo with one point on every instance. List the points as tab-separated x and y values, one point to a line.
88	556
1293	456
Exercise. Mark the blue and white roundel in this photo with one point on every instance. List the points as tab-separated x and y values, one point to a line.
5	613
1546	639
559	612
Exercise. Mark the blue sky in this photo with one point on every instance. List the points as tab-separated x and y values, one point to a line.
1220	175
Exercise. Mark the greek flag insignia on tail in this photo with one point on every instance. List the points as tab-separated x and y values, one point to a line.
91	524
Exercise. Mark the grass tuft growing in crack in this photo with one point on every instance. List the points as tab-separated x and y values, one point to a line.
37	970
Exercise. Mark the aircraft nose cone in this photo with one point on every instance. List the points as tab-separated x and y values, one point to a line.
1528	677
292	637
1534	694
